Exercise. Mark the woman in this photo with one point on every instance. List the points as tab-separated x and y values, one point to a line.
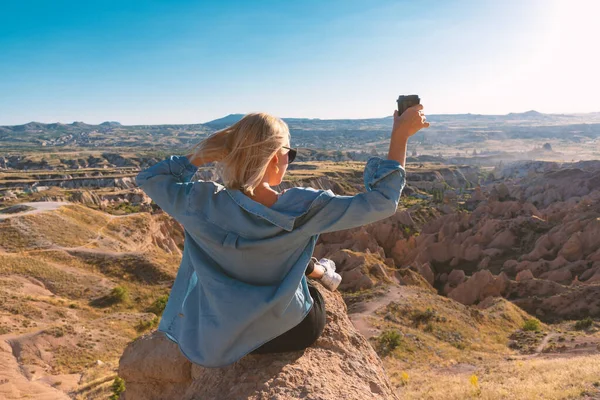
241	286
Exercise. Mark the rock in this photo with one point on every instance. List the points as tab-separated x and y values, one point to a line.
557	263
495	288
85	197
594	256
560	275
510	266
379	271
478	195
588	274
573	249
504	240
340	365
557	301
502	192
524	275
471	290
483	264
14	383
408	277
456	277
447	289
472	253
427	273
443	278
405	218
450	197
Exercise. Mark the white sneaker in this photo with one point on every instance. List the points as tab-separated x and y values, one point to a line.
330	279
328	262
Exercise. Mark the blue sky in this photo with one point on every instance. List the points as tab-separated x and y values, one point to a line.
152	62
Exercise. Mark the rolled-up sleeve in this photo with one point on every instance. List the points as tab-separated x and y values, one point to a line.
384	181
168	183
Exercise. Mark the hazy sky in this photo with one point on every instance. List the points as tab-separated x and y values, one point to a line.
175	61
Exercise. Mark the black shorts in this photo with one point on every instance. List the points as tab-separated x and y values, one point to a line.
302	335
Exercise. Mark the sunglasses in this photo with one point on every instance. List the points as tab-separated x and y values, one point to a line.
291	154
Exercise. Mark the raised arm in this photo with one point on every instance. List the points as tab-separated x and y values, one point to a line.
384	181
168	183
410	122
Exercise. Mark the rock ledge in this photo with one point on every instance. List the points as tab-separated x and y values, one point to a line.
340	365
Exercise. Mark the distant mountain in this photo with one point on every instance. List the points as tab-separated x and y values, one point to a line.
324	134
528	115
224	122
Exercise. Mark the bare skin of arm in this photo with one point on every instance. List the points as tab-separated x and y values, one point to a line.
410	122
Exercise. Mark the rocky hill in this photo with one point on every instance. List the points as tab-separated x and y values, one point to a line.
534	240
76	285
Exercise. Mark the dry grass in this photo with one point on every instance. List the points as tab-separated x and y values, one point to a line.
435	329
43	230
558	378
84	215
57	280
14	238
28	266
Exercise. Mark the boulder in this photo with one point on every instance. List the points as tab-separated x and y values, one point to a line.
427	273
560	275
340	365
456	277
524	275
572	249
510	266
476	288
504	240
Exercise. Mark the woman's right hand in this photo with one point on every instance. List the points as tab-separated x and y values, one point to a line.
410	122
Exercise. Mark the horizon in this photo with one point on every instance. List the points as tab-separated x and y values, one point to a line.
300	118
146	63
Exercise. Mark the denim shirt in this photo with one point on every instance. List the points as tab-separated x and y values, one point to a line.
241	280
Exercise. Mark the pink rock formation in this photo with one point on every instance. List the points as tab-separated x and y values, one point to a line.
479	286
524	275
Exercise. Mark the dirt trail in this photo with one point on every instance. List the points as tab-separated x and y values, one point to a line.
540	349
366	310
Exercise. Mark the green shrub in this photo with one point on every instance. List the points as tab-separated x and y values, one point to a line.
56	331
159	305
532	324
117	387
421	317
584	324
145	325
388	341
119	294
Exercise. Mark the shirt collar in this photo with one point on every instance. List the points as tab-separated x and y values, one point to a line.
278	218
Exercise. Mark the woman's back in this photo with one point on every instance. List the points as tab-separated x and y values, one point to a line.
241	280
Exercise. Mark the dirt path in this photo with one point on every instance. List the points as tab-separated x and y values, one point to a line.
40	206
540	349
366	310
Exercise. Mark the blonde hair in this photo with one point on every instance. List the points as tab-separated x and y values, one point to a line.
243	150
